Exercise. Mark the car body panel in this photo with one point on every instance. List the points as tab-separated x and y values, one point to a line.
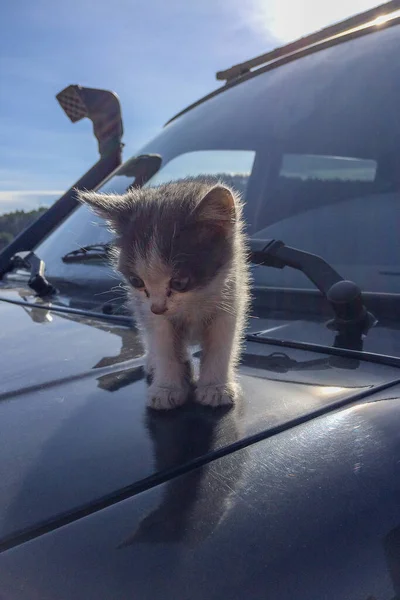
82	426
294	492
312	512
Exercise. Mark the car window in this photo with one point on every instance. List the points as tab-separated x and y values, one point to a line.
320	138
232	167
83	228
327	168
342	208
361	250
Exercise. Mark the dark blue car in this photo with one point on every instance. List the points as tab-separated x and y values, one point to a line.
294	493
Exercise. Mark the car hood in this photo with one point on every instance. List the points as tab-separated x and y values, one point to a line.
75	431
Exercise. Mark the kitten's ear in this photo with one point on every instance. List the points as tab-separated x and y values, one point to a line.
217	205
116	210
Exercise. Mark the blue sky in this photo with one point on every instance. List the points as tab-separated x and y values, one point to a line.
158	55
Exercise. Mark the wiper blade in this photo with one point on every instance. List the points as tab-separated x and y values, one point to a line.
88	253
352	320
37	280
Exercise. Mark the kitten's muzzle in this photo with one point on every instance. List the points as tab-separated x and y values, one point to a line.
158	309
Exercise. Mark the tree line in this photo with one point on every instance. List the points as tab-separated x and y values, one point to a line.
14	222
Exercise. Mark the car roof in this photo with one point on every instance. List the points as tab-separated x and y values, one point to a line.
380	17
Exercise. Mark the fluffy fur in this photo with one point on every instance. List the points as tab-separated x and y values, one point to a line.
181	248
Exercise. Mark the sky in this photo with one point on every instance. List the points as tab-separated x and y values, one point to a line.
157	55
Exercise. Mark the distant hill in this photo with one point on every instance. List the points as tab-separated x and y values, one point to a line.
13	223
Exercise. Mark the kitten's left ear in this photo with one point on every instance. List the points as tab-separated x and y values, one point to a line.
116	210
217	205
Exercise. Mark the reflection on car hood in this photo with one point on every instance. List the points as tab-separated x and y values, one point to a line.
74	428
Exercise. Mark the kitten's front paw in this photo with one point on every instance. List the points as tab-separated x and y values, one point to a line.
216	395
165	397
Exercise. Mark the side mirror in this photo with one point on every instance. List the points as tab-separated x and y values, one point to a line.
102	107
142	168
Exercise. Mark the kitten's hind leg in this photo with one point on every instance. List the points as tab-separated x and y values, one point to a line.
169	386
220	349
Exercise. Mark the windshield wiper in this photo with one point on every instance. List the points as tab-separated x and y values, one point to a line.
352	320
89	253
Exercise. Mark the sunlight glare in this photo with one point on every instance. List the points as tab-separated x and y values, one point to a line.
288	20
330	390
381	20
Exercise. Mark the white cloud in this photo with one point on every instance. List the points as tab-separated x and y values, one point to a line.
27	199
6	193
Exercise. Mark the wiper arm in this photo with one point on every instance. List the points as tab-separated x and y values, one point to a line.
274	253
37	280
352	320
88	253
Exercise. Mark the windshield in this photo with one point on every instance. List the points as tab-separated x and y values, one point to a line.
313	148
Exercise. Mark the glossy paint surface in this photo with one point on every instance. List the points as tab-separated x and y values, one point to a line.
312	512
75	430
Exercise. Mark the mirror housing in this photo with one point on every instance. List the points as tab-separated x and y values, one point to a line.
142	168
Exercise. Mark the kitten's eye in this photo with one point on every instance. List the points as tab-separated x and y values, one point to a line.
179	284
136	282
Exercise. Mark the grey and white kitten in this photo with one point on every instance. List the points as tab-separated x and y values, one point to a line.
181	248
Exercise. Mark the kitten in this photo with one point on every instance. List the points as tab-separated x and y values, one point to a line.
181	248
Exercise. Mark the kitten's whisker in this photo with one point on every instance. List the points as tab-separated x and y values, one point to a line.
112	275
113	289
120	308
172	241
183	255
120	298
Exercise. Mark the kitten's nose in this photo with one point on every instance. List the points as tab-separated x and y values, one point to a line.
158	309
